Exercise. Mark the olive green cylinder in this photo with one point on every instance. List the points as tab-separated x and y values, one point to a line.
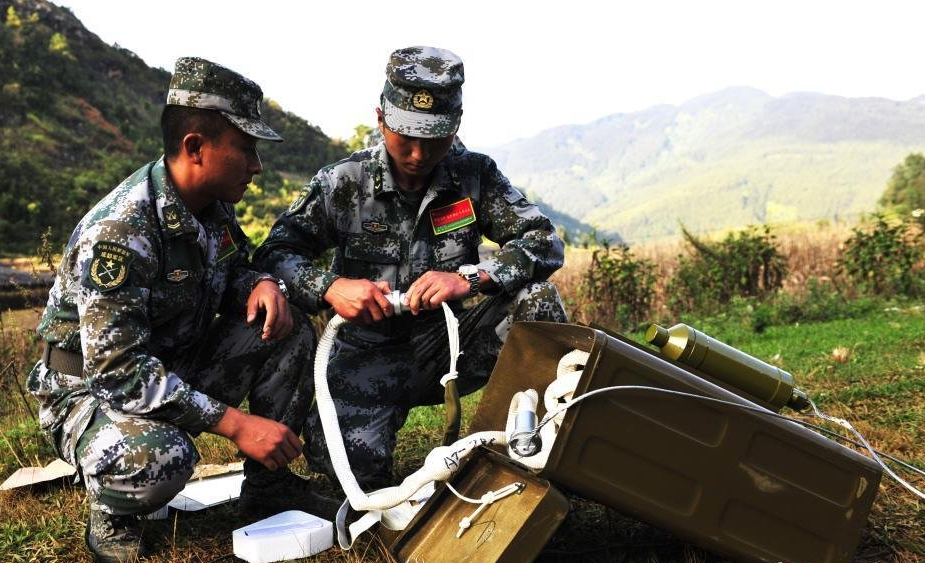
693	348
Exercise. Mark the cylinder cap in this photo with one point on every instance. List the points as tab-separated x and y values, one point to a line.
657	335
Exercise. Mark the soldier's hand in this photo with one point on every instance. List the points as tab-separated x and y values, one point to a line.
266	296
433	288
359	300
266	441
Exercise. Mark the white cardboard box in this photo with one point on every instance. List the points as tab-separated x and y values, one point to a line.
287	535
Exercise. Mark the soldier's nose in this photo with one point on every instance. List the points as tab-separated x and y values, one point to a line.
254	165
419	151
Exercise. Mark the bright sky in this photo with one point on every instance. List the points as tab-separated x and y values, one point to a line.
531	64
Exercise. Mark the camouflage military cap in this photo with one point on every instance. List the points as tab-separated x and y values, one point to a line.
422	96
203	84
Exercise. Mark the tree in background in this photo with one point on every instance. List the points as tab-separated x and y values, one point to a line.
905	191
359	140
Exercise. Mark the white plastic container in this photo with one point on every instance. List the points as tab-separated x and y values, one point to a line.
287	535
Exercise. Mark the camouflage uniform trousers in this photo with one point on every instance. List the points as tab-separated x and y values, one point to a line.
135	465
376	378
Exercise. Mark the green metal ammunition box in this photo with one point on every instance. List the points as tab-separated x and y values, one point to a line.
513	529
738	482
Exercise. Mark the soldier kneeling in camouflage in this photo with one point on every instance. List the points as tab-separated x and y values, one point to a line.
153	329
409	214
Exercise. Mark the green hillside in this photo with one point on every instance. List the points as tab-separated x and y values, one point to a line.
720	161
78	115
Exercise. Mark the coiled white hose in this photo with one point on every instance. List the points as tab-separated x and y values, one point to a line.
439	464
558	392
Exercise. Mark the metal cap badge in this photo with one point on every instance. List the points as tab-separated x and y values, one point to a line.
422	96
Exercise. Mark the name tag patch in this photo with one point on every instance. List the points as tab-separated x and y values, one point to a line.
451	217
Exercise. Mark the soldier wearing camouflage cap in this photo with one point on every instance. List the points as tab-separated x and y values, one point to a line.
409	214
157	326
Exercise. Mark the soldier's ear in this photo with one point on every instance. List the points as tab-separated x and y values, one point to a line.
191	147
379	119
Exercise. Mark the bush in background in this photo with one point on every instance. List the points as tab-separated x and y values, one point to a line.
746	263
884	259
617	288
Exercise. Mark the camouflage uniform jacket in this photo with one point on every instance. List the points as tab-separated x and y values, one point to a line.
379	233
139	283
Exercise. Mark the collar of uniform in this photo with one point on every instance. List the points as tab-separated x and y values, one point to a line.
175	218
444	179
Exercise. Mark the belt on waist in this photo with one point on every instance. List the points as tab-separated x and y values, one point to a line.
62	361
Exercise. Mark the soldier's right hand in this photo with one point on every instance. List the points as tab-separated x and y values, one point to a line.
266	441
359	300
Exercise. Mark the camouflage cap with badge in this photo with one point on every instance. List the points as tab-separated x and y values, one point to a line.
203	84
422	96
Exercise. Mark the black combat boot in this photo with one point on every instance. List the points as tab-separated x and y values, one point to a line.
114	539
265	493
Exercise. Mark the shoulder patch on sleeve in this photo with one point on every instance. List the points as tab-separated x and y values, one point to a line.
512	195
304	196
109	266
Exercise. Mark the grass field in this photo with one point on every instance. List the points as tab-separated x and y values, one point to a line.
869	369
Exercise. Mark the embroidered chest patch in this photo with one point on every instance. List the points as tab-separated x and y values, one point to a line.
227	247
109	265
451	217
172	218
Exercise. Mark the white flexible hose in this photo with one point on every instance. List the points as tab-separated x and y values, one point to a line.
439	464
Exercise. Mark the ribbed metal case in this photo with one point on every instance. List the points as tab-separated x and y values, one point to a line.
734	481
514	529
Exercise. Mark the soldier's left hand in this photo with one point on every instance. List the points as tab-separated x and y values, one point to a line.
266	296
433	288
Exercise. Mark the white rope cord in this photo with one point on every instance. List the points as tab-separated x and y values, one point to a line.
461	496
873	453
816	412
487	500
452	330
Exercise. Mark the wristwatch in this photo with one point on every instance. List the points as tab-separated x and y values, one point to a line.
282	285
471	274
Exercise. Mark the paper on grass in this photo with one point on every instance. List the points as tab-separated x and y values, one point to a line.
32	475
208	492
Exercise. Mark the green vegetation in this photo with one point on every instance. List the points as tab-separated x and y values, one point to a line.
869	369
617	286
77	116
885	259
745	264
720	161
906	189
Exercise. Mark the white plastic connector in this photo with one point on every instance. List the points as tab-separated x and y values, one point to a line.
397	300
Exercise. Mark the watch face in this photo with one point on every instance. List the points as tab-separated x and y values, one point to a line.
468	270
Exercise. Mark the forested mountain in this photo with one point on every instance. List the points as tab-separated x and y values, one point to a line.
723	160
78	115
